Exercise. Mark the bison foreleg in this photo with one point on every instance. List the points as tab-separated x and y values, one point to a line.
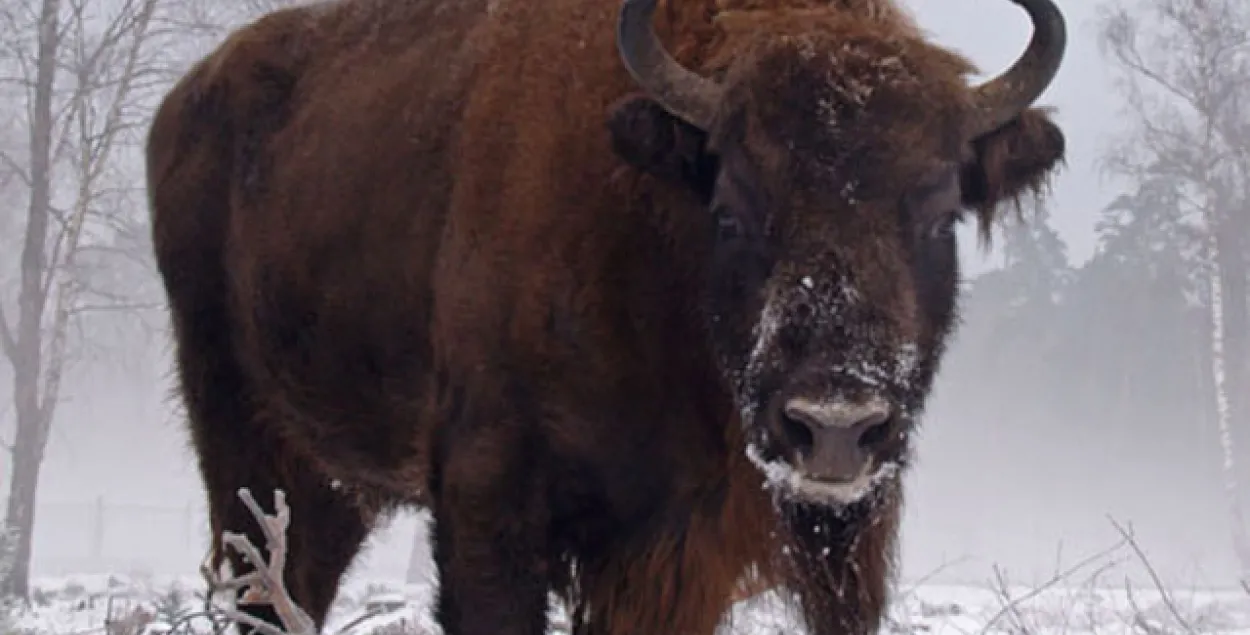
265	584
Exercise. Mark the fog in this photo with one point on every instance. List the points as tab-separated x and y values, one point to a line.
1028	450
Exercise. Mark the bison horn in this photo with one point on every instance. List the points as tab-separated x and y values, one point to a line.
1007	95
680	91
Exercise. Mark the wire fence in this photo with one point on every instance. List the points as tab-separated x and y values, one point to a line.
107	536
104	535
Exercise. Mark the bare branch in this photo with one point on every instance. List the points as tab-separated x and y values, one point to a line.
15	167
264	585
1011	605
94	153
1131	541
7	343
114	308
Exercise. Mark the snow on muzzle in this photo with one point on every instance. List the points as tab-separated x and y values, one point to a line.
828	420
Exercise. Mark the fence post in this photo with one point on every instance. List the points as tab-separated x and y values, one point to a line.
188	525
97	537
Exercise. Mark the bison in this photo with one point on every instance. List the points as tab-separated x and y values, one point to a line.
642	305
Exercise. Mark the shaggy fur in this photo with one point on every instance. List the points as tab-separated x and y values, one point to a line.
444	254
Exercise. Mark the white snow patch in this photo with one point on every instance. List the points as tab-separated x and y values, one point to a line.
78	604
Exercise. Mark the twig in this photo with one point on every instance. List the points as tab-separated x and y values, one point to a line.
1139	616
1010	607
8	342
1012	604
922	580
265	584
904	623
1166	597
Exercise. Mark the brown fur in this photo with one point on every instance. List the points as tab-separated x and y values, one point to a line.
403	253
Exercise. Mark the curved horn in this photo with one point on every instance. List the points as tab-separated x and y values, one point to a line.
680	91
1007	95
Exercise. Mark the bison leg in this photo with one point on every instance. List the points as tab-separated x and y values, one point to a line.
190	165
490	538
324	536
238	449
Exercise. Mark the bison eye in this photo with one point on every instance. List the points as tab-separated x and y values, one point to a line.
943	227
728	226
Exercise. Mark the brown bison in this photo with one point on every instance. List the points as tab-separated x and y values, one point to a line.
639	305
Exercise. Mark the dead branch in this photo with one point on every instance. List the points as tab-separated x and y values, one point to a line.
8	344
902	623
1011	605
1165	596
1138	616
1010	608
131	307
265	584
922	580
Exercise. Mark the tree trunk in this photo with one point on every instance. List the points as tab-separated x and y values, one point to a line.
28	448
1223	406
19	517
33	414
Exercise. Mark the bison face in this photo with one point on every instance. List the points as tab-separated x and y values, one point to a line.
828	313
836	159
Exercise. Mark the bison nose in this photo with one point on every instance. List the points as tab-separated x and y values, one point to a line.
833	438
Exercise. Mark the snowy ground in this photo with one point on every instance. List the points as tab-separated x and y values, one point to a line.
82	605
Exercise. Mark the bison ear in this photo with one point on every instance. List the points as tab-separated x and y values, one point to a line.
1016	159
654	141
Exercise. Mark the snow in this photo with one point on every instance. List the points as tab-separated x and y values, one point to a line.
79	605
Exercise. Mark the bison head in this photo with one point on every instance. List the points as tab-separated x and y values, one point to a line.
836	155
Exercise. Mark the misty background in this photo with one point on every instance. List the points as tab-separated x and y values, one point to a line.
1080	389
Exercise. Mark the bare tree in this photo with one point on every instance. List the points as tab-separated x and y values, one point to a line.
77	74
217	17
1184	71
82	78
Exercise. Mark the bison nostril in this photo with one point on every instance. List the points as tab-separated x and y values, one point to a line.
874	430
797	431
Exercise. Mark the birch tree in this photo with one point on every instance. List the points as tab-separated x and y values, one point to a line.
78	79
1183	67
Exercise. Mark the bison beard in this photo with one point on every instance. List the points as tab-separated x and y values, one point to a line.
644	366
